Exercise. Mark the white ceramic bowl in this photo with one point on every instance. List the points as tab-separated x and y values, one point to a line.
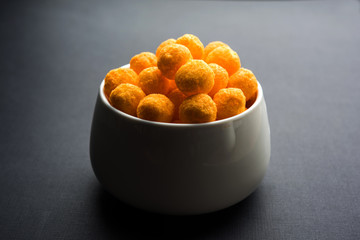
180	169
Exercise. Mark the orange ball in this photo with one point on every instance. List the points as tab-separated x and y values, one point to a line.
143	60
172	85
211	46
177	121
156	107
177	97
195	77
117	76
193	43
221	78
229	102
225	57
171	58
246	81
126	98
251	101
152	81
163	44
199	108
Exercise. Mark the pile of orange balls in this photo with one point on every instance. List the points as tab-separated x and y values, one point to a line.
183	83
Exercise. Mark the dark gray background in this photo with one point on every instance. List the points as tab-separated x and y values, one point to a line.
54	54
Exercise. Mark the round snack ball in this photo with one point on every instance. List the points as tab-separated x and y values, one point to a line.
126	98
199	108
163	44
221	78
225	57
171	58
251	101
172	85
156	107
177	97
211	46
177	121
246	81
195	77
193	43
152	81
117	76
229	102
143	60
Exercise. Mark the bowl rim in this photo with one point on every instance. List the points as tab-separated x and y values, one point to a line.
129	117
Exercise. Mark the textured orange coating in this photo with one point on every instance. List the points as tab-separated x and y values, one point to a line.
152	81
143	60
199	108
221	78
177	121
117	76
126	98
193	43
177	97
195	77
246	81
229	102
156	107
172	85
187	75
163	44
225	57
211	46
171	58
251	101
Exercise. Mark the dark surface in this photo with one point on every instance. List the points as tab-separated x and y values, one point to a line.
54	54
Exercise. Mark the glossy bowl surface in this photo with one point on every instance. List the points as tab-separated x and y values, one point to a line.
180	169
